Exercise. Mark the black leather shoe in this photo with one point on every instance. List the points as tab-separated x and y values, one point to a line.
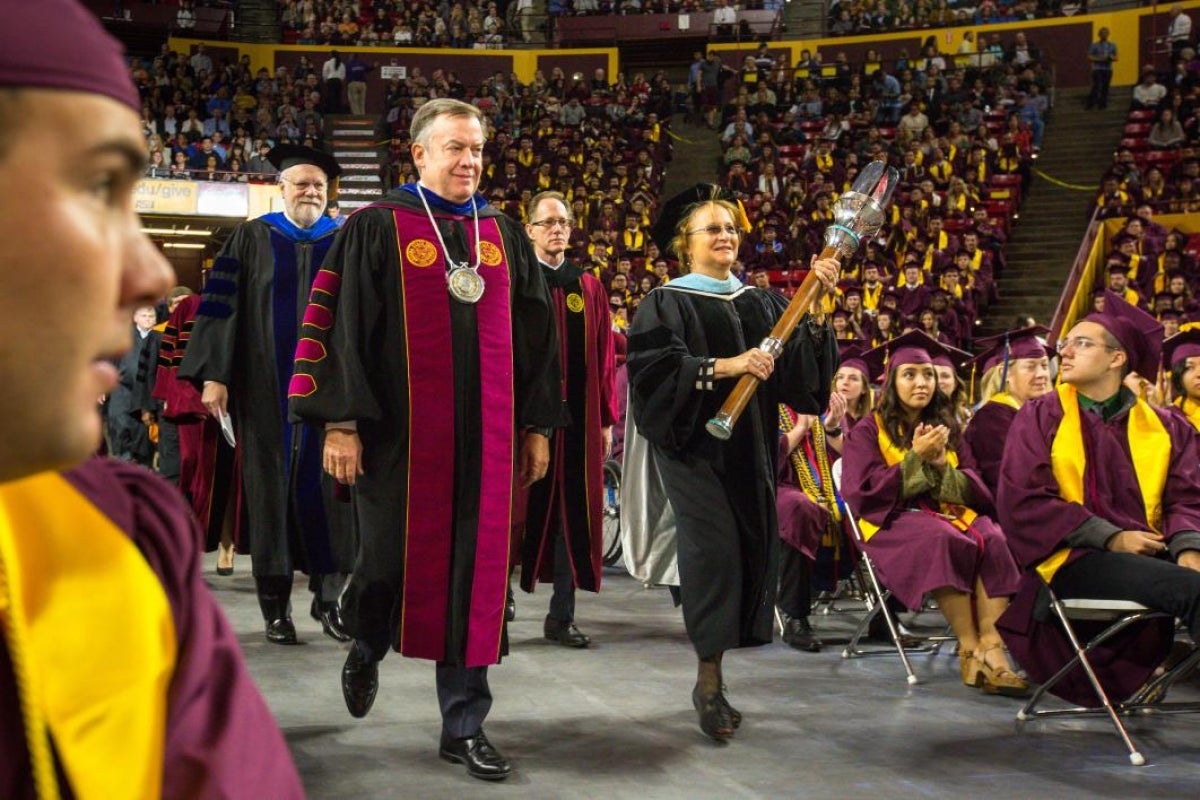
565	633
360	682
330	618
878	631
799	633
483	761
510	606
281	631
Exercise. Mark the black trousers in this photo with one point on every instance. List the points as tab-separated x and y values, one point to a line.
795	582
168	450
562	601
1154	582
1101	78
464	699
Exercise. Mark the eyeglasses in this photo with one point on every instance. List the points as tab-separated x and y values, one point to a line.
304	186
717	230
549	224
1080	343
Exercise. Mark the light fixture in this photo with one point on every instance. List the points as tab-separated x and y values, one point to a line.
185	245
176	232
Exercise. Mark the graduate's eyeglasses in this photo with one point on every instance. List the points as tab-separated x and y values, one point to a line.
716	230
1079	343
550	224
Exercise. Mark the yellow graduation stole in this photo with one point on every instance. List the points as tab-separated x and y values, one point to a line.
655	133
823	162
1005	399
1149	446
1134	262
634	240
976	260
870	297
1190	409
941	171
981	171
545	181
89	630
525	157
960	517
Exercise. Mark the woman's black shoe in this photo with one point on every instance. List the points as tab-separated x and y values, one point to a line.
716	717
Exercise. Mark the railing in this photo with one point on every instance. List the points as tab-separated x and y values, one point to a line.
1083	273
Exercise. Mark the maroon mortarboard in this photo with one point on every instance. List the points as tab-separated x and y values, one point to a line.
1139	334
1011	345
951	357
850	288
851	352
1118	266
840	312
914	347
1170	313
1181	347
58	44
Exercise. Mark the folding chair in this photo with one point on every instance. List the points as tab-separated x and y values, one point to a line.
875	598
1119	614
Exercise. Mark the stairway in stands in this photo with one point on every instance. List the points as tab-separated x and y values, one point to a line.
1077	147
354	143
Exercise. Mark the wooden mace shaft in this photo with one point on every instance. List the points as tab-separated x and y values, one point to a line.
721	426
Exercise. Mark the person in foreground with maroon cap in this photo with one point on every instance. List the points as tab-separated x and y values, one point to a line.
1099	495
922	515
119	675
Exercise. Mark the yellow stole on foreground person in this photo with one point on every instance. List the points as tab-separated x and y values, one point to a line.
960	517
1149	445
1190	409
88	628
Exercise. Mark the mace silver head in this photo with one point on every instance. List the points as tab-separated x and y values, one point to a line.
859	213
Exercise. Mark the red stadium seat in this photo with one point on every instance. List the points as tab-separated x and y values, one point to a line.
1135	143
1135	129
1141	115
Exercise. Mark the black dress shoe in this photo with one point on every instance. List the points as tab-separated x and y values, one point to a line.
281	631
360	682
799	633
510	606
483	761
330	618
565	633
878	631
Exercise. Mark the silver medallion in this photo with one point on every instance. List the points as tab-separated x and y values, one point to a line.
465	284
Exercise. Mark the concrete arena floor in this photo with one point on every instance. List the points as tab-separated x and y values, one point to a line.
615	721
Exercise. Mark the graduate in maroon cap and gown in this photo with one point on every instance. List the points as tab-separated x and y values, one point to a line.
1181	360
429	342
119	674
1100	497
564	535
1015	368
922	516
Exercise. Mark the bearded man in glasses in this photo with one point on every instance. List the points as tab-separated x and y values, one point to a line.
563	525
240	351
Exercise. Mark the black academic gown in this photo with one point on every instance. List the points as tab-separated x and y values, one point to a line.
363	379
245	337
723	493
128	436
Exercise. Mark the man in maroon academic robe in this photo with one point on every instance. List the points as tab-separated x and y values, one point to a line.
209	469
139	689
1077	517
563	528
429	338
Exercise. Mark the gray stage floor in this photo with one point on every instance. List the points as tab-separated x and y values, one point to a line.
615	721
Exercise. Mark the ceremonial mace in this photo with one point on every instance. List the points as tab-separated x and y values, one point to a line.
857	215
